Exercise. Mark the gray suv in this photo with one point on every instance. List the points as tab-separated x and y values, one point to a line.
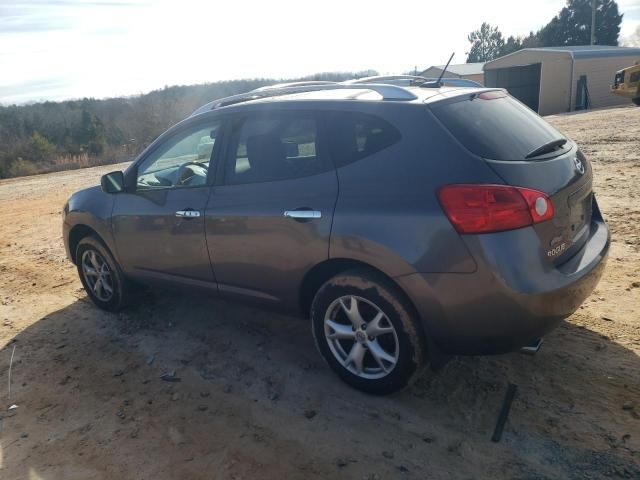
408	223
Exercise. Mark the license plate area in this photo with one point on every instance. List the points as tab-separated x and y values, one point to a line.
580	209
578	224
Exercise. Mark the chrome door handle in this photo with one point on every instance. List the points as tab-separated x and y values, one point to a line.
187	213
304	214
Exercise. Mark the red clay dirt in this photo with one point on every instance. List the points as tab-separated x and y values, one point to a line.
254	398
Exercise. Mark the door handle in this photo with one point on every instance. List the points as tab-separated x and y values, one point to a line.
302	214
188	213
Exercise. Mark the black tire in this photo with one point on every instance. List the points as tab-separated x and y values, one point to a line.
121	288
372	292
636	101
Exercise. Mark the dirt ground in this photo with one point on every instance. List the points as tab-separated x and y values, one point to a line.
255	399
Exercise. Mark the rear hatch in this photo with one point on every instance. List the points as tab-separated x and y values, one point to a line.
526	151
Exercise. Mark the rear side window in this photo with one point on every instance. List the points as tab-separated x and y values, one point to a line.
494	125
354	136
274	147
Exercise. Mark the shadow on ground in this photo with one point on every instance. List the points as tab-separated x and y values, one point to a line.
248	396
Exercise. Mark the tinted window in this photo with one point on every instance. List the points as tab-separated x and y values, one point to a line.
353	136
182	161
496	126
274	147
634	77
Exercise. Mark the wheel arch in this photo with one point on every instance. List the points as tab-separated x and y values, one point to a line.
322	272
77	233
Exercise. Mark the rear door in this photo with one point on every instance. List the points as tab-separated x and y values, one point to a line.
526	151
269	220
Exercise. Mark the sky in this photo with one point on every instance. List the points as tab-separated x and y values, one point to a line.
61	49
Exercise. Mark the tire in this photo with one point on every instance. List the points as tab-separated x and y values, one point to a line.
636	101
114	291
389	324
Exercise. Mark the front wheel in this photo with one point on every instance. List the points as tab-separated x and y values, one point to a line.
367	332
101	276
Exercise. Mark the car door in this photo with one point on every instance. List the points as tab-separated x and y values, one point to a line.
159	227
268	219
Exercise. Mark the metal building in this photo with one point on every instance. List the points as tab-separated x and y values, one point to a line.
561	79
470	71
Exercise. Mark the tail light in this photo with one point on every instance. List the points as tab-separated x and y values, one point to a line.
493	208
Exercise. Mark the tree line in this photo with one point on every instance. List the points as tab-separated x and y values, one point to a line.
50	136
571	26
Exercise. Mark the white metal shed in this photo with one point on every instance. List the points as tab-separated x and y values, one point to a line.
561	79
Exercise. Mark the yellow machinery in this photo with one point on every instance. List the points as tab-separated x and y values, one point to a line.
626	83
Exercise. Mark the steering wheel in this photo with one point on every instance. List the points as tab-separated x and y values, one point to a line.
185	174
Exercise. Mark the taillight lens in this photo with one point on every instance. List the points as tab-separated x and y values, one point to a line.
493	208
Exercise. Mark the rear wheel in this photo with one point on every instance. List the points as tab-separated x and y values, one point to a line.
367	333
101	276
636	101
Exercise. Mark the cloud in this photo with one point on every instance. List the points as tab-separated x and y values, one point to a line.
105	48
42	89
24	23
632	40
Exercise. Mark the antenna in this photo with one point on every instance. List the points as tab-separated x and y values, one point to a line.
445	69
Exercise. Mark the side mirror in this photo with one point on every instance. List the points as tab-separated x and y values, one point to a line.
112	182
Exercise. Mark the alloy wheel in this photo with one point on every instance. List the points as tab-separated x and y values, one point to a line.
97	275
361	337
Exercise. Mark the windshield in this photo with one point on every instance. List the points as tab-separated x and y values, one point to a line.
494	125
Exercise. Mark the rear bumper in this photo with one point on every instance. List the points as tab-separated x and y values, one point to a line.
513	298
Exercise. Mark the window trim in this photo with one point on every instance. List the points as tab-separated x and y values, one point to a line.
169	135
235	125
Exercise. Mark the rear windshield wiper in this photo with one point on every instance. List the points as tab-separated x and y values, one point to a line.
547	147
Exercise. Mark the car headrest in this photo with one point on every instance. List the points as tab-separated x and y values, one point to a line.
266	155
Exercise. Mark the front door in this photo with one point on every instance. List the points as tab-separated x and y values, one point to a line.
159	228
269	221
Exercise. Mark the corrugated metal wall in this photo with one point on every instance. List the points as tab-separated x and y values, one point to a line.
555	76
599	73
558	87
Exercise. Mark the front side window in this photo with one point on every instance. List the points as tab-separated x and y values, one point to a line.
274	147
182	161
354	136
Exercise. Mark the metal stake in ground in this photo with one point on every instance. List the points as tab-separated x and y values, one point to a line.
9	379
504	412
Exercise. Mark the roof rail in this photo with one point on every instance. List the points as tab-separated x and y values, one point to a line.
306	83
388	92
384	78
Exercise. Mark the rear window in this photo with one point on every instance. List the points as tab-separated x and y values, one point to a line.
494	125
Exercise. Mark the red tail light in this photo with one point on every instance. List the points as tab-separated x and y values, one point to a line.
493	208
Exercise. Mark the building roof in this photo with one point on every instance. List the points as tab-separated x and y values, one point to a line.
461	68
582	51
594	51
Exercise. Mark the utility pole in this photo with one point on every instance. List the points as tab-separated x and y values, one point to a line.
593	22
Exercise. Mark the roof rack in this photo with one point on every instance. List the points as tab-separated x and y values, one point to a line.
307	83
385	78
388	92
